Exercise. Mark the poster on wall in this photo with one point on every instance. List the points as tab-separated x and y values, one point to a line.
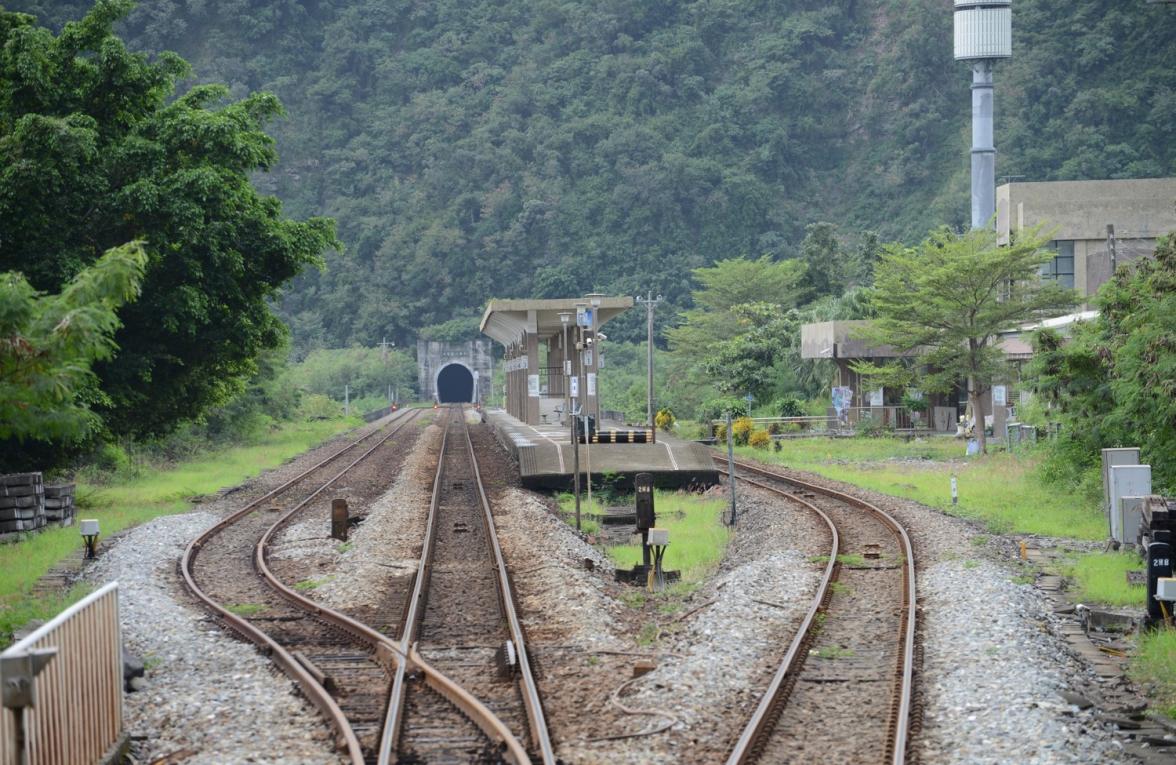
876	397
533	386
1000	395
591	383
842	399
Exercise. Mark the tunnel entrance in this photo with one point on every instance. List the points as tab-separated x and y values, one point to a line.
455	384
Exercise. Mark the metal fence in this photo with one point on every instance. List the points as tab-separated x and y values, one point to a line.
71	710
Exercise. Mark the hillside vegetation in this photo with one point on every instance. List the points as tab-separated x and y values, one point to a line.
478	148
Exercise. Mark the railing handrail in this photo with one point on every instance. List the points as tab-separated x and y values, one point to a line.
27	641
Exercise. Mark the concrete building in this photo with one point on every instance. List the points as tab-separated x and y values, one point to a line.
1096	225
455	372
543	375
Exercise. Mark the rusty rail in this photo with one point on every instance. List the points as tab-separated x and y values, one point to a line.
306	682
493	728
76	714
751	741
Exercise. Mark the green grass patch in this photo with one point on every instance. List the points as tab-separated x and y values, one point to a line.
648	634
245	609
306	585
1102	578
846	559
698	537
1001	490
1154	667
832	652
119	502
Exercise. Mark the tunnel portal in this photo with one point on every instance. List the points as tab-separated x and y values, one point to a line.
455	384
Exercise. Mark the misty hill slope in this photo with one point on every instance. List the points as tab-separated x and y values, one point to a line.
477	148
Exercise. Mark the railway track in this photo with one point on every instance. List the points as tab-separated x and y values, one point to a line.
338	664
462	617
348	670
845	688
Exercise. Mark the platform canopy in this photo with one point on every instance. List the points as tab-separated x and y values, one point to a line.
508	321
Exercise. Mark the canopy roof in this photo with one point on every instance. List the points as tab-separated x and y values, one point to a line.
507	320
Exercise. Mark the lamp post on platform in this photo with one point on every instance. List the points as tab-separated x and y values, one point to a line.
577	410
650	302
565	318
594	299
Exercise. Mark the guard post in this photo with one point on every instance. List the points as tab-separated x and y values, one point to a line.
339	519
646	517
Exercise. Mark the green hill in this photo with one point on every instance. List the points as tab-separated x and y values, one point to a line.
479	148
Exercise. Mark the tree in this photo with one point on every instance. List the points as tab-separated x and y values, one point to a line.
94	154
825	267
48	343
722	288
745	363
948	299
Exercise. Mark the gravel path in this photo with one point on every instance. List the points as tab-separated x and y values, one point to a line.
206	694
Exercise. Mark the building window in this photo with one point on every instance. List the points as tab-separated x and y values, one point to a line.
1061	267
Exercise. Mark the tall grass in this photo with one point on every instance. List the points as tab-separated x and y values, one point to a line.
122	500
1102	578
698	537
1154	664
1000	489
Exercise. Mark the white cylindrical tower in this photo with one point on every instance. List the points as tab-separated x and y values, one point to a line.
983	34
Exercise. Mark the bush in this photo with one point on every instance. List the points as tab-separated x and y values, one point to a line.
716	408
870	427
741	430
316	406
914	404
759	439
665	419
789	407
111	458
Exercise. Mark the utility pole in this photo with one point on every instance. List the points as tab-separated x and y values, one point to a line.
650	303
731	464
385	344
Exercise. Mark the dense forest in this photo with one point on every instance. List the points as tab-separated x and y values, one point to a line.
471	149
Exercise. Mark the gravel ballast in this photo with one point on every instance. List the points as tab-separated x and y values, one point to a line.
993	674
206	694
993	665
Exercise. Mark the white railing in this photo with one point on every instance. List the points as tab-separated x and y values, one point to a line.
63	687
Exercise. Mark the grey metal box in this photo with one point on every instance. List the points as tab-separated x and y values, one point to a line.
1127	481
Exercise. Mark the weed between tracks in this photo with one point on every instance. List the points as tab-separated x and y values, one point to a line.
698	540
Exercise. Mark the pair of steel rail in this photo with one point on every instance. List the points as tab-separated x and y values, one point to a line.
401	657
750	745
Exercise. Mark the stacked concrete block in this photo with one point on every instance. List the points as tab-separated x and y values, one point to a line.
22	502
59	504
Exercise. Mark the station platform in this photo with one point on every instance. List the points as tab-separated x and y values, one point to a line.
544	456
